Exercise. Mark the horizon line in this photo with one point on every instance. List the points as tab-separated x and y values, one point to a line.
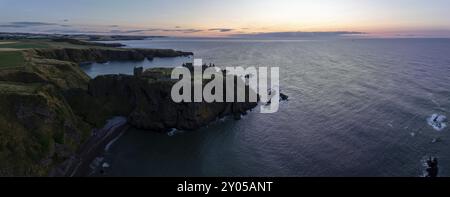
260	35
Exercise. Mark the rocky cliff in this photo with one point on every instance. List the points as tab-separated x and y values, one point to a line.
49	106
146	101
108	54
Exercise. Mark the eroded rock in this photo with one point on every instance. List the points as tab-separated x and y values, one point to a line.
146	101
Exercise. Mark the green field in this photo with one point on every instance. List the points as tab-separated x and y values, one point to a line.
11	59
11	51
24	45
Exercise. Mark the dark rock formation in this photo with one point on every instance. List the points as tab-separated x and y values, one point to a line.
146	101
190	66
102	55
80	42
283	97
432	169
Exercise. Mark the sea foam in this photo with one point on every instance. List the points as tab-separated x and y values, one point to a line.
438	122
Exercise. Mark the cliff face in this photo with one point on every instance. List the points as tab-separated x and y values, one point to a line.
103	55
38	129
49	107
146	101
84	43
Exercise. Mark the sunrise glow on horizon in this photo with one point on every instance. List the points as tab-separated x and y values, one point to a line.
224	18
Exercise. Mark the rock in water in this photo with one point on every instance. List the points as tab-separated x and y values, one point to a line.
283	97
438	122
432	169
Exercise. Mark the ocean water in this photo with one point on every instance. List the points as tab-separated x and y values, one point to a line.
356	108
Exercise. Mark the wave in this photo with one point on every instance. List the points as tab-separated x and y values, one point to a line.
437	122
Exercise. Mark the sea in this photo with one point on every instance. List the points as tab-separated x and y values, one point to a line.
357	107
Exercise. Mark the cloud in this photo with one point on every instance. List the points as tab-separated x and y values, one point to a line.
298	34
24	24
221	29
118	31
73	31
28	23
115	31
182	30
131	31
66	28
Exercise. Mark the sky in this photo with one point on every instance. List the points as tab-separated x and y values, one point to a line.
390	18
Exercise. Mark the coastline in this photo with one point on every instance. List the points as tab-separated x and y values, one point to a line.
48	86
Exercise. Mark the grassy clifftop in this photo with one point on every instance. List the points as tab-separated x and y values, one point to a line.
38	129
11	59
